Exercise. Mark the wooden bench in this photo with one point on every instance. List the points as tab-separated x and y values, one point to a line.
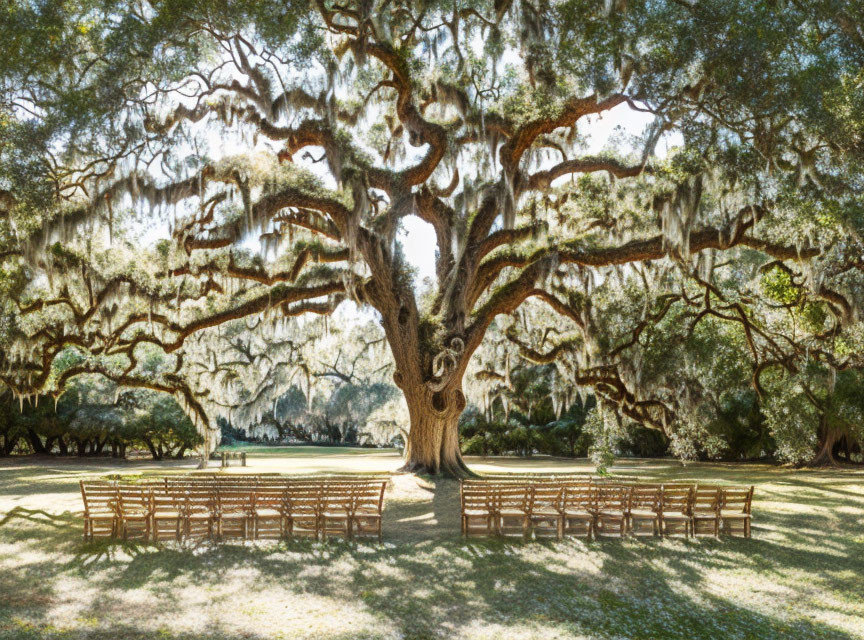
227	456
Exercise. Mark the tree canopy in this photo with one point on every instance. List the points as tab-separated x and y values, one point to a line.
283	145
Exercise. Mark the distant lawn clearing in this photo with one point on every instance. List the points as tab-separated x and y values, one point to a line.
801	576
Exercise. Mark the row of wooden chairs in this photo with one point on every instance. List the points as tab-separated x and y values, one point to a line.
172	508
554	507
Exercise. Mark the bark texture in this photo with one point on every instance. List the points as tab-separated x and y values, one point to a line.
433	441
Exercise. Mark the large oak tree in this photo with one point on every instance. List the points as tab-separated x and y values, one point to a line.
313	130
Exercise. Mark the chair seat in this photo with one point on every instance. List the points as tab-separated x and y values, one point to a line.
733	515
135	515
166	514
577	513
233	515
268	513
545	512
367	513
512	512
334	513
676	516
643	513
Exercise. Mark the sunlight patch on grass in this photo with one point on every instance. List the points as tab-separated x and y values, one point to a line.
799	577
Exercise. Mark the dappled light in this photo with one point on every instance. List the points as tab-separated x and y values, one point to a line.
427	581
432	319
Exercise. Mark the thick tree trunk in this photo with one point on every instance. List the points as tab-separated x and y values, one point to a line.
152	447
429	369
35	441
8	445
825	457
205	449
433	441
62	446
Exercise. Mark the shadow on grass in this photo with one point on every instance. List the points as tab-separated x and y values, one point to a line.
431	583
642	591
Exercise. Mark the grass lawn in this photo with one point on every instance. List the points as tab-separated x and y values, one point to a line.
801	576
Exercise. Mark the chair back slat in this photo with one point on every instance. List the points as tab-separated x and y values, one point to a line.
611	497
545	497
645	497
676	499
706	499
99	497
578	497
737	499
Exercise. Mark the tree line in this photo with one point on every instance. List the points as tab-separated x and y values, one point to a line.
93	418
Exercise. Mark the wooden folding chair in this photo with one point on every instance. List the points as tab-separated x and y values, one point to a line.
511	510
167	514
301	508
335	512
233	512
199	513
610	510
135	511
100	509
735	511
367	509
269	518
577	510
643	511
675	505
545	517
705	511
478	508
